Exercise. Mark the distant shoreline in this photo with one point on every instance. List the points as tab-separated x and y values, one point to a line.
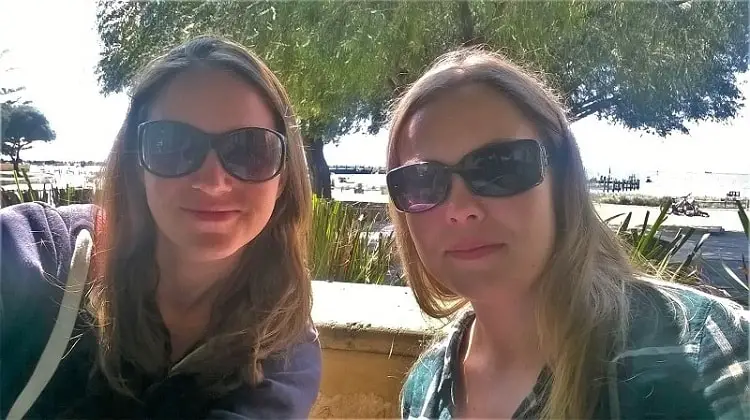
54	163
102	163
708	190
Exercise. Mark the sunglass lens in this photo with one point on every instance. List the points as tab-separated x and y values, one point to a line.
419	187
252	154
504	169
171	149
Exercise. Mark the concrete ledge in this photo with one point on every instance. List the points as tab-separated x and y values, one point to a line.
370	335
368	317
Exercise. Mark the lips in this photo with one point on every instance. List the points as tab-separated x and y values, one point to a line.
210	215
474	250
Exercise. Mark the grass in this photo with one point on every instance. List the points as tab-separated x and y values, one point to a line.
345	247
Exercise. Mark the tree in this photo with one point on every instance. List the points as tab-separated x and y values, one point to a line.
21	126
652	66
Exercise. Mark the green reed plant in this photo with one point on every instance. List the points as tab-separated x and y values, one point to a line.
18	195
744	268
53	196
345	246
653	254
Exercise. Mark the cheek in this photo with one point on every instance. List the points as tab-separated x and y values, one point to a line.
260	199
160	192
530	218
546	213
258	202
424	230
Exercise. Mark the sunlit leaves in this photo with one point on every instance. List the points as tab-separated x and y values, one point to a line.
647	65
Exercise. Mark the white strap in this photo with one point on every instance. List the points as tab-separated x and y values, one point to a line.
60	336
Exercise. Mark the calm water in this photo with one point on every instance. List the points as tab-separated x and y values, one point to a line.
663	184
700	184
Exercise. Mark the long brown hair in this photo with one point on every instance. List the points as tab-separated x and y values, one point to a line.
266	302
583	315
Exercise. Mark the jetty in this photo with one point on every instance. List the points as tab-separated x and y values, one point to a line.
356	170
610	184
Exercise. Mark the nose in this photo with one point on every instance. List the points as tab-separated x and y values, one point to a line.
462	206
211	178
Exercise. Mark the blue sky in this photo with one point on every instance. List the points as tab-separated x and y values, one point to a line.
54	48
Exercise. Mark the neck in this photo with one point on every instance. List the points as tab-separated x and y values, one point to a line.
504	333
186	284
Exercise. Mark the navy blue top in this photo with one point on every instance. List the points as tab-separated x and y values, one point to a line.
37	245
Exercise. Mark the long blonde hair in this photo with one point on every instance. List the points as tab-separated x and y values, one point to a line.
583	313
266	302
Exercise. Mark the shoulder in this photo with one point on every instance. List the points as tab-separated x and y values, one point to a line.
289	387
37	238
664	314
422	380
36	245
687	352
41	218
431	374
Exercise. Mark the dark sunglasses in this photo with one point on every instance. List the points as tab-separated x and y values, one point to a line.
171	149
500	169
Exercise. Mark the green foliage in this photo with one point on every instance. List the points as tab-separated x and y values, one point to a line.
630	199
9	94
648	65
653	254
53	196
341	248
21	126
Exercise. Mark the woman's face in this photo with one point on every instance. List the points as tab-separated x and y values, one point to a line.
479	247
208	214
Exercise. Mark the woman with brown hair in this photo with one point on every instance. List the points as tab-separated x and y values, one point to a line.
495	225
197	300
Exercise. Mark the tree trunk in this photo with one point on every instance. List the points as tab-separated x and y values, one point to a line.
466	23
16	160
319	170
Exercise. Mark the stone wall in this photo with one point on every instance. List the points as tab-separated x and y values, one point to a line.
370	335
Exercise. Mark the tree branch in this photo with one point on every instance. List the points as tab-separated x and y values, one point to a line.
592	107
466	22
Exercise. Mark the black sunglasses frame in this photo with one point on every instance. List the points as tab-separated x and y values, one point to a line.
210	145
460	170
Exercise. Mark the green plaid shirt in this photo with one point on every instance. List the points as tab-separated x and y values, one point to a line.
686	357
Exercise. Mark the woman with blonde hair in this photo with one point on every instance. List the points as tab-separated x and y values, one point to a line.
197	299
495	225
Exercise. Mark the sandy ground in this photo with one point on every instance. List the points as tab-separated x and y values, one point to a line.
726	219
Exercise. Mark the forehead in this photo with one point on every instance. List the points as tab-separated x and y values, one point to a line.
460	121
213	100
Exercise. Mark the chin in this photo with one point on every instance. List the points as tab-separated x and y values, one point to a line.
211	247
486	285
